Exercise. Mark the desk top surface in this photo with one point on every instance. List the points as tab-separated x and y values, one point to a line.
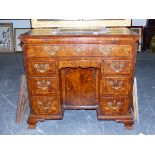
91	32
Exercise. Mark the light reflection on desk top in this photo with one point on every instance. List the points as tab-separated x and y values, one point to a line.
92	31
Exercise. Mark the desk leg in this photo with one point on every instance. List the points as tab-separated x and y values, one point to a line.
129	124
32	123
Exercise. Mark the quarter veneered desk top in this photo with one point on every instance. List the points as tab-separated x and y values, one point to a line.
81	32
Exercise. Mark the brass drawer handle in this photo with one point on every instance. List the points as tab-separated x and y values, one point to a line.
51	50
43	84
45	105
106	50
113	105
42	68
116	84
117	67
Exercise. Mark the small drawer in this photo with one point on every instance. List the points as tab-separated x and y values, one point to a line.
115	51
41	68
115	86
116	67
114	106
43	86
45	105
107	50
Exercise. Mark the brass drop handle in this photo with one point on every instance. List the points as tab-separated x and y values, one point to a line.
116	84
114	105
44	105
43	84
42	68
117	67
51	50
47	105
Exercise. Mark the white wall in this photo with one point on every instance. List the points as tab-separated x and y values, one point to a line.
26	23
138	22
18	23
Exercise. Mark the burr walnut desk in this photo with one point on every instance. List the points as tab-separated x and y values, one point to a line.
80	69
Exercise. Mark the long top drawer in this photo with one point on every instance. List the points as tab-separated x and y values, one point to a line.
85	50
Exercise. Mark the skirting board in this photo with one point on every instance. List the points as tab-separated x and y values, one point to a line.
23	102
135	101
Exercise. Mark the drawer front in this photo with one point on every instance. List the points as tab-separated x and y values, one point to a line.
79	50
115	86
114	106
116	67
43	86
45	105
41	68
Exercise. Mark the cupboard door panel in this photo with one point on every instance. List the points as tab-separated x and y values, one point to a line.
80	86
